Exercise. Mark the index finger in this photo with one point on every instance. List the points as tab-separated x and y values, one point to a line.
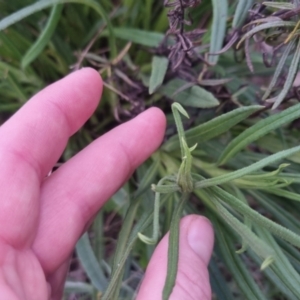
32	141
39	131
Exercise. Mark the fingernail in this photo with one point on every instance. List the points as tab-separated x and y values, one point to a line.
201	238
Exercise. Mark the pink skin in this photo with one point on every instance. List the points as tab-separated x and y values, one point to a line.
42	218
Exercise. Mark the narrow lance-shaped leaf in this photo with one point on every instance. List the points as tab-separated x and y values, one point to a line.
279	5
89	261
279	68
159	69
218	29
214	82
40	5
193	97
282	267
241	12
264	26
137	36
173	248
218	281
155	233
290	77
258	130
148	179
213	127
44	37
124	246
117	273
78	287
247	221
263	250
257	218
283	193
276	210
246	170
226	251
176	108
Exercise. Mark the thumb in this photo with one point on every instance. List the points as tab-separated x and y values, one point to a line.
195	248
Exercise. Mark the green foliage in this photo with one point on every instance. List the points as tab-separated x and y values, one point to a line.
218	30
243	174
159	69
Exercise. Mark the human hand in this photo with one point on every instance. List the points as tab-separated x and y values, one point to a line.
43	217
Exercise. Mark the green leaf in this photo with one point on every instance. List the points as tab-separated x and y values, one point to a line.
141	37
225	250
40	5
290	78
282	258
258	130
279	68
241	12
246	170
283	193
44	37
194	96
278	212
262	249
125	240
214	82
282	266
279	5
176	108
212	128
78	287
247	221
155	232
267	25
173	248
218	282
89	262
147	179
116	277
218	29
159	69
257	218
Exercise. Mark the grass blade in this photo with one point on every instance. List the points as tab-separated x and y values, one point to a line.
159	69
258	130
44	38
40	5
